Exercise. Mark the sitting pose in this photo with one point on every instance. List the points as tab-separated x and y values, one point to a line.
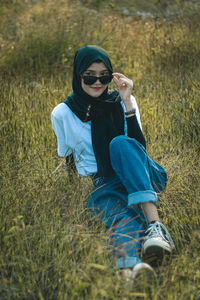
102	130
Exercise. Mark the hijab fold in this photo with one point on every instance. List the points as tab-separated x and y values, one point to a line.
105	112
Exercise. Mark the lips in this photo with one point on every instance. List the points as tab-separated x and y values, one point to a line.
96	88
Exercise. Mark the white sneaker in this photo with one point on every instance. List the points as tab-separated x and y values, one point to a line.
139	269
157	241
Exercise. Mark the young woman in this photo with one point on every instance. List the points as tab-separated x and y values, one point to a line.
102	130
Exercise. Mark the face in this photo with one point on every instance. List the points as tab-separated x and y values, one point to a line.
97	88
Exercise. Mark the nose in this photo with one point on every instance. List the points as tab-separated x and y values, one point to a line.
98	81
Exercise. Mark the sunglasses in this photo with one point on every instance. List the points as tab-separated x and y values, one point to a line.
104	79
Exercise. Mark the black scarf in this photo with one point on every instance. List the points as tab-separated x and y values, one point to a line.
105	112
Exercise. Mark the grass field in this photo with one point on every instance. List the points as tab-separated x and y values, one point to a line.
50	246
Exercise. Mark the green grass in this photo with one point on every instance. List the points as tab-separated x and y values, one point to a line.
50	246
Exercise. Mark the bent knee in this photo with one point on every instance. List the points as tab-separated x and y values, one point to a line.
122	141
116	140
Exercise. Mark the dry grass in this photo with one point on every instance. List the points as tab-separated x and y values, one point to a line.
50	247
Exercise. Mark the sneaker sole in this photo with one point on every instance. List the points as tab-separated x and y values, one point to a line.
144	270
154	250
157	243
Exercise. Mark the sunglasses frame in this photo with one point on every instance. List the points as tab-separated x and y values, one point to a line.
93	79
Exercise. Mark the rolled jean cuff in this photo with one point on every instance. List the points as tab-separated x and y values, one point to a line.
128	261
142	197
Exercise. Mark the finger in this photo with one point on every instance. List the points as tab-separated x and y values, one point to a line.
119	75
124	82
119	82
115	79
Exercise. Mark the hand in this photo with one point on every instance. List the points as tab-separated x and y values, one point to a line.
124	86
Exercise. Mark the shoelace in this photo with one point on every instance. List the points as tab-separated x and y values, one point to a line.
158	229
154	229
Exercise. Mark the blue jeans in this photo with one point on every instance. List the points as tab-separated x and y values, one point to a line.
115	199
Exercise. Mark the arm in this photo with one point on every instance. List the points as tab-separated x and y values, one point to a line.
63	149
134	130
125	86
58	127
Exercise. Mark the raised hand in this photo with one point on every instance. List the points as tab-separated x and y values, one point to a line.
124	86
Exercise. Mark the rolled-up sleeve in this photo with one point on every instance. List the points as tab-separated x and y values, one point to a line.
58	127
137	111
137	114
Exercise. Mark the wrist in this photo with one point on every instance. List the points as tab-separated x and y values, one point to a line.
130	113
128	104
127	100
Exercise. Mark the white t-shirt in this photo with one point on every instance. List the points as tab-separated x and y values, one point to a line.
74	136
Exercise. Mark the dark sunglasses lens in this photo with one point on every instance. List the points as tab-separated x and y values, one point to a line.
89	79
105	79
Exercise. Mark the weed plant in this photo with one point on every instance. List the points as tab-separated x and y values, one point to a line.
51	248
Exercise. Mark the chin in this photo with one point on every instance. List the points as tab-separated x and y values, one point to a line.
91	92
96	95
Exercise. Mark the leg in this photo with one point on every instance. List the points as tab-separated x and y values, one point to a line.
150	211
131	163
142	178
109	202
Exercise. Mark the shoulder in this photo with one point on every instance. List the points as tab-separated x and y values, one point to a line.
61	111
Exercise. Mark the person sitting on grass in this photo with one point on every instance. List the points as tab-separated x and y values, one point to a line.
101	128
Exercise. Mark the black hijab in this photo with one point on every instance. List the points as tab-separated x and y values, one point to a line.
105	112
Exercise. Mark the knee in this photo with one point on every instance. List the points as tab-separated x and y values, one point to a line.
121	141
117	142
